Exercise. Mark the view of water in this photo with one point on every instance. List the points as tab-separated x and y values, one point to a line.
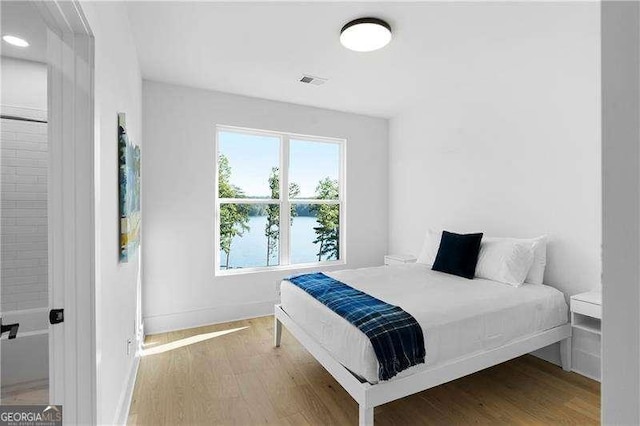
250	250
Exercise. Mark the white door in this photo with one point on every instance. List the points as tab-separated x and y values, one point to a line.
71	217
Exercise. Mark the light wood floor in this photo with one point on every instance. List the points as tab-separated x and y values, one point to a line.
202	376
28	393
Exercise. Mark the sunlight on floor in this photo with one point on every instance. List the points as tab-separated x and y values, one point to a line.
187	341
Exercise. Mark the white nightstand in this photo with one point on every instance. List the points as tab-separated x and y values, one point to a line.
586	320
397	259
586	311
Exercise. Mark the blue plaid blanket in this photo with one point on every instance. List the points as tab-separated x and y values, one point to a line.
395	335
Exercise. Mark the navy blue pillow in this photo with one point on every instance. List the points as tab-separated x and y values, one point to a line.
458	254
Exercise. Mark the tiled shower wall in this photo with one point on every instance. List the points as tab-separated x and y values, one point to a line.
23	211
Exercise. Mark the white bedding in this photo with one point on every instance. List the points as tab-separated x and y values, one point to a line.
458	317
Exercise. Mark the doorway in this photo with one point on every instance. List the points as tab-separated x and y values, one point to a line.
46	208
24	234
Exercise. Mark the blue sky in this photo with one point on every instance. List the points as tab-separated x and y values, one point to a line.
252	157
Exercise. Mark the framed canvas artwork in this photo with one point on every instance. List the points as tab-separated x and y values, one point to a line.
129	192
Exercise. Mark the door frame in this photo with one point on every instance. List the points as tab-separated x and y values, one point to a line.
72	344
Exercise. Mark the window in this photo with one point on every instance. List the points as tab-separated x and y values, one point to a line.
259	225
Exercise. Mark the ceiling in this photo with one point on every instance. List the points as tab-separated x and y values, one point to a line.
262	49
22	19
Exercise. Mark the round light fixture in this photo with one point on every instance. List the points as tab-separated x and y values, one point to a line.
16	41
365	34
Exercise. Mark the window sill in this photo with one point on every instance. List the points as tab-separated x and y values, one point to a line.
262	269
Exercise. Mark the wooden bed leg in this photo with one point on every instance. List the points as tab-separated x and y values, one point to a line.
565	353
277	332
366	416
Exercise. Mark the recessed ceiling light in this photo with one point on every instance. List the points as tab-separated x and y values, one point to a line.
16	41
365	34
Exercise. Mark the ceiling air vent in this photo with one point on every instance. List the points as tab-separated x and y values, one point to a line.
309	79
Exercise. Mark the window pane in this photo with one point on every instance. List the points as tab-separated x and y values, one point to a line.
246	165
315	168
249	235
315	232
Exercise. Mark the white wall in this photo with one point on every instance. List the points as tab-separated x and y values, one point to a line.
180	289
24	185
621	213
24	233
24	83
117	89
509	144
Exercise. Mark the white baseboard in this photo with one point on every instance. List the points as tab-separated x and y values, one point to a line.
127	393
140	336
182	320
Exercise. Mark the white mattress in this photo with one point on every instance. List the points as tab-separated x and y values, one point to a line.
458	317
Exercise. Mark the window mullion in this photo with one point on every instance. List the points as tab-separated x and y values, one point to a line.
247	201
316	201
285	205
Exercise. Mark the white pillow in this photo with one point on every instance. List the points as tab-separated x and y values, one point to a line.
505	260
430	247
536	273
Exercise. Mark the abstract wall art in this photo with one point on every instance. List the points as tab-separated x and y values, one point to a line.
129	192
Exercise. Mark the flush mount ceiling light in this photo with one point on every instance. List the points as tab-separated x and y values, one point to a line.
15	41
365	34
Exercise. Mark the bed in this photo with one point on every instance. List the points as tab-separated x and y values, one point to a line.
468	325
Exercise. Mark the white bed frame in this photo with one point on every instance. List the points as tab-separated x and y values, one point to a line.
369	396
